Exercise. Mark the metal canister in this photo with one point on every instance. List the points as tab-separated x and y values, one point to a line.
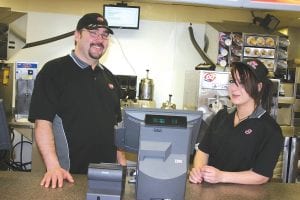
146	88
168	104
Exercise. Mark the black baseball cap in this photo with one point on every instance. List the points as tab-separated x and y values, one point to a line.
256	66
93	21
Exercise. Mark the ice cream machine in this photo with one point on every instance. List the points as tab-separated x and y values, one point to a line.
206	91
25	75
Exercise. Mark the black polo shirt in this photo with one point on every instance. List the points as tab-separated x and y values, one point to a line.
254	143
84	106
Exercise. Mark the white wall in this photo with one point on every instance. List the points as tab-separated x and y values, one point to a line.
161	46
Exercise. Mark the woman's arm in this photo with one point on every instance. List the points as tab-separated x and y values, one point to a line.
213	175
200	160
201	171
121	157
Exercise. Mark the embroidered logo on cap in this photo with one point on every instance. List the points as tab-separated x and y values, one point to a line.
253	64
248	131
111	86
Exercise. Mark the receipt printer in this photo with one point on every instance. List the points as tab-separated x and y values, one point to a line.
106	181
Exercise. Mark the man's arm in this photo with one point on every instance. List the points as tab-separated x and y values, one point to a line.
45	142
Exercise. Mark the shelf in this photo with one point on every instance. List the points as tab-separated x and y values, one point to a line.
286	100
288	131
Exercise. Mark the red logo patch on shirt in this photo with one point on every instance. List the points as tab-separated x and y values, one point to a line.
248	131
111	86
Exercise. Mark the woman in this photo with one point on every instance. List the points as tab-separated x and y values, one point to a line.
242	144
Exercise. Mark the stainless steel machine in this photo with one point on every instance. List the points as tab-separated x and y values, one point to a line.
206	91
129	88
25	75
146	88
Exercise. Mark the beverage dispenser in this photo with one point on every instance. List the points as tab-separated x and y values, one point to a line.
25	75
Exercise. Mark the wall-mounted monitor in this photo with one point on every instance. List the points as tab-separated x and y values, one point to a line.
122	16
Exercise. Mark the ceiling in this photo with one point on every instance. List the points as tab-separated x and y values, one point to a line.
287	18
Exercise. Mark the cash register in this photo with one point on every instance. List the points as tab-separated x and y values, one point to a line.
164	141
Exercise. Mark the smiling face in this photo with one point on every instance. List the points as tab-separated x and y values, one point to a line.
91	44
246	83
238	93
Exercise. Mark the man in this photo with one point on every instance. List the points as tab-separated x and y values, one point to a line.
75	105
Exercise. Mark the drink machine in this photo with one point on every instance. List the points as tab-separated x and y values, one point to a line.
25	75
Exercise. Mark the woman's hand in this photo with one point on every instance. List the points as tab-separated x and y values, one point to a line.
211	174
195	176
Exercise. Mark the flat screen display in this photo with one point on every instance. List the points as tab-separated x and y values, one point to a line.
124	17
165	120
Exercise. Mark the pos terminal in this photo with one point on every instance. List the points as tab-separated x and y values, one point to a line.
164	140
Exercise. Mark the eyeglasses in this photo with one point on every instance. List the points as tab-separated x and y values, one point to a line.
96	34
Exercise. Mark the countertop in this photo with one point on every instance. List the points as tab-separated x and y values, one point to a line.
25	186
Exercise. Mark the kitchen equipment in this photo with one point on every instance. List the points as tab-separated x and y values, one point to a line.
128	86
25	76
206	91
135	103
168	104
146	88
